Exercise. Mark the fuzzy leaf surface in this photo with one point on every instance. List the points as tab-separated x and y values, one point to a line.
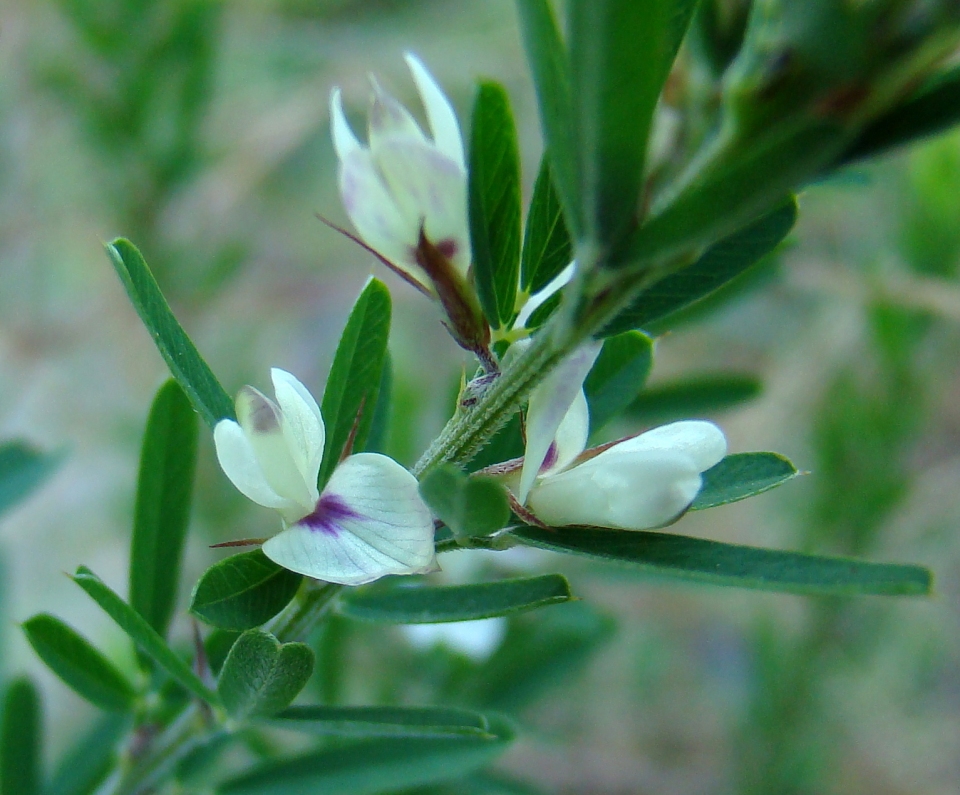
243	591
742	475
469	506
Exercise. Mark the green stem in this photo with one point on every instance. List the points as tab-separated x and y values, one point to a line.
299	620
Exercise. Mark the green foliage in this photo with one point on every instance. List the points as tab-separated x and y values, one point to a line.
353	385
22	469
437	604
679	557
618	374
742	475
538	653
692	397
620	54
88	762
141	633
717	266
243	591
79	664
550	70
178	351
383	721
261	676
21	740
21	750
164	491
469	506
494	191
547	249
370	766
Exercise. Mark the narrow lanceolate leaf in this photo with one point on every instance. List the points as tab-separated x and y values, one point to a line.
164	489
434	605
617	375
742	475
382	721
933	109
679	557
243	591
718	265
79	664
141	633
261	676
354	381
547	249
21	740
367	767
22	469
494	193
88	761
693	397
380	424
620	54
178	351
469	506
549	64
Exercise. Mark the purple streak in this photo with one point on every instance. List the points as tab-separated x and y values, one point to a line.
550	459
330	510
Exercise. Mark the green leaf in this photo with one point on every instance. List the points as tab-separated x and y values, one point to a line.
380	424
87	763
21	740
718	265
438	604
933	109
22	469
693	397
354	381
742	475
679	557
539	653
178	351
375	765
145	636
243	591
550	67
547	249
618	374
382	721
494	193
79	664
164	489
469	506
620	54
261	676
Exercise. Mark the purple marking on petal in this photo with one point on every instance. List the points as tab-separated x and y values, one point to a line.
330	510
448	248
550	459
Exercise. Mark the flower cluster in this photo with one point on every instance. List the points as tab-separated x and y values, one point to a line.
406	195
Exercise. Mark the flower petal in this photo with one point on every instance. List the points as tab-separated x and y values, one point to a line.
428	187
344	141
549	403
239	463
570	439
374	213
619	489
301	423
538	299
262	423
370	522
443	120
702	441
388	119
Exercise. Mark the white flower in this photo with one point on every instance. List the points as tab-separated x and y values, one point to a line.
642	482
369	521
403	181
474	639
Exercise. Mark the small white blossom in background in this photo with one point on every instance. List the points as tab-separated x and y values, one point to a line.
369	521
474	639
402	180
642	482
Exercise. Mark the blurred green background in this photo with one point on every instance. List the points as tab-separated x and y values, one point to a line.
199	130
